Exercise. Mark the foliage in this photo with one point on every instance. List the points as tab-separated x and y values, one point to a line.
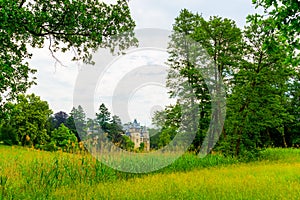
291	129
77	26
154	134
59	118
126	143
142	147
76	122
29	118
111	126
71	125
8	135
168	122
115	129
257	105
257	68
185	81
194	42
64	138
284	15
222	40
103	118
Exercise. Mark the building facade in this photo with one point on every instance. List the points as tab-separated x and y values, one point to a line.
138	134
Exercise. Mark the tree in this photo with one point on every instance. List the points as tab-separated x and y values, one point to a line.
103	118
184	80
115	130
71	125
76	122
154	134
59	118
112	126
222	40
194	43
126	143
91	124
29	117
292	127
168	121
80	26
64	138
284	15
256	107
142	146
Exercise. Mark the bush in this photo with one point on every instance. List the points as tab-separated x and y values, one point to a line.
62	138
126	143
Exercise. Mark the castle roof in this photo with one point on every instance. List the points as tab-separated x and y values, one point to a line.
135	127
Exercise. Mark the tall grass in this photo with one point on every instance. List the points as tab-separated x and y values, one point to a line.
32	174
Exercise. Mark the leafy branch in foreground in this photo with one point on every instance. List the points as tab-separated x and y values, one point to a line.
80	26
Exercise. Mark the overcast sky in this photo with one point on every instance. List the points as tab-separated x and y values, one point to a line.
56	83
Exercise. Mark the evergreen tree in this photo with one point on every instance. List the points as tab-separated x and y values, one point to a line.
103	118
76	122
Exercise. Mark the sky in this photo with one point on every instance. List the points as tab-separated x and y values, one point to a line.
58	85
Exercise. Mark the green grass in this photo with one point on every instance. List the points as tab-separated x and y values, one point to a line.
31	174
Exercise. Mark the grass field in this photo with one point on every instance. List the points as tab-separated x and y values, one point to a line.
31	174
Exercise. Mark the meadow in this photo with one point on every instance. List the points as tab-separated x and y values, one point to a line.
31	174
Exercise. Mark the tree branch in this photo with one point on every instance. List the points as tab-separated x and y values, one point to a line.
52	54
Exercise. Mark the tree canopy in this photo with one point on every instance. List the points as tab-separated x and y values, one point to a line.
80	26
28	118
259	72
285	16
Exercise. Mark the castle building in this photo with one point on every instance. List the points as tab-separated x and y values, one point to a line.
138	134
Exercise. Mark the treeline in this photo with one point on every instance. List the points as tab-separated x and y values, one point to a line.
30	122
22	28
256	69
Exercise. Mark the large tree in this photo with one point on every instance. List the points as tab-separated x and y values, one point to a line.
257	106
203	53
29	118
77	25
222	40
184	81
291	129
